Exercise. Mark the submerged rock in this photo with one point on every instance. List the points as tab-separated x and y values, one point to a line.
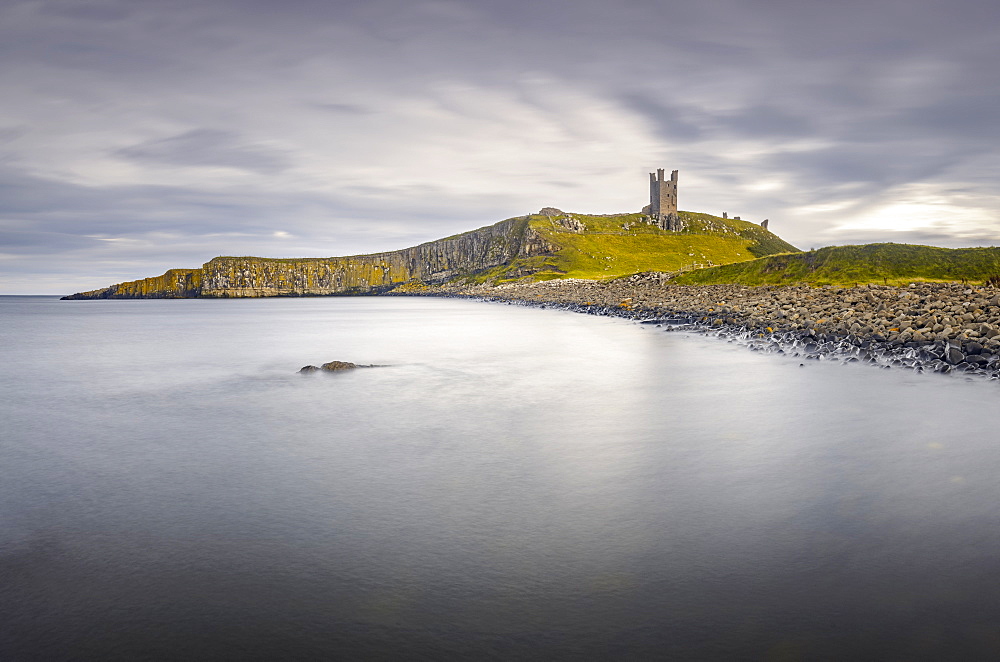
334	366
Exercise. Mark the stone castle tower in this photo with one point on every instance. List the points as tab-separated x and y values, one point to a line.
663	201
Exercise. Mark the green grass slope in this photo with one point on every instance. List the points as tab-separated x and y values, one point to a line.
620	244
894	264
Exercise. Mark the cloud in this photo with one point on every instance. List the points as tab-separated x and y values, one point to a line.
86	11
344	108
139	135
763	121
200	148
669	122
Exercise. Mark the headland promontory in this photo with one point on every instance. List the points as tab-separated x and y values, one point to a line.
894	304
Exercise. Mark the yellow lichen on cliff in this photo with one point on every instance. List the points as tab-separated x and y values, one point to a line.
174	284
412	287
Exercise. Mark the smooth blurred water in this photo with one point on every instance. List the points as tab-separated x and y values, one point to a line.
517	484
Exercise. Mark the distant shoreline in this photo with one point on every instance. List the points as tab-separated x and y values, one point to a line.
925	327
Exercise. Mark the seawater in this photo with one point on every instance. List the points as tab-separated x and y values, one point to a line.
516	483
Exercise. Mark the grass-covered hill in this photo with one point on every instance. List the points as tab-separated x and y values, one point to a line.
538	246
594	247
893	264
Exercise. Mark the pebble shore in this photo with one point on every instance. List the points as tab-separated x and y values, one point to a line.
937	327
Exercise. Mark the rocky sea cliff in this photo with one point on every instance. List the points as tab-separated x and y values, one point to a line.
550	244
432	262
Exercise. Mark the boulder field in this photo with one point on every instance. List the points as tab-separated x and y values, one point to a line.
936	326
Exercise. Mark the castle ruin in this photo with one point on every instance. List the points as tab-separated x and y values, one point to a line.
662	208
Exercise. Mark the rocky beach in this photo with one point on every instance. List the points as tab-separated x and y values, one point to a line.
938	327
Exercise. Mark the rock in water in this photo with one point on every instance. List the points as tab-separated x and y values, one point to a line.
954	356
334	366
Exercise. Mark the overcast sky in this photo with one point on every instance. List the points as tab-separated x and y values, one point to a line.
137	136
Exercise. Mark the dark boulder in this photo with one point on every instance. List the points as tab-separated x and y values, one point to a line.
954	356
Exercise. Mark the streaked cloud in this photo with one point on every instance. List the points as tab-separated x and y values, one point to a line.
142	135
206	148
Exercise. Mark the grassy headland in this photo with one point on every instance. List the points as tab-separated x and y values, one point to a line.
541	246
556	245
886	264
598	247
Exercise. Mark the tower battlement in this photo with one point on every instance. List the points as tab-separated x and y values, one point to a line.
663	201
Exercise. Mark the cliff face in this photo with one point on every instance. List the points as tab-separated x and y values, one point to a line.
175	284
435	261
550	244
